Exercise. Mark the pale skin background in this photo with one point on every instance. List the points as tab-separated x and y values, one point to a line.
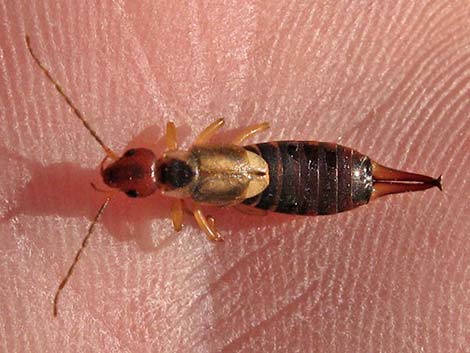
391	79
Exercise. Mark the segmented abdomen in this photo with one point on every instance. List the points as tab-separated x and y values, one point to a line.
312	178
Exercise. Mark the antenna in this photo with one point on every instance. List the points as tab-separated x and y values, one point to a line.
79	252
79	115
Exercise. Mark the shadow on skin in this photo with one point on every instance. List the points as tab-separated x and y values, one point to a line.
64	189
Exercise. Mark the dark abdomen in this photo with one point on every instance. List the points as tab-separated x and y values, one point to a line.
312	178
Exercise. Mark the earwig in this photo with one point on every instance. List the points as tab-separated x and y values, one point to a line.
292	177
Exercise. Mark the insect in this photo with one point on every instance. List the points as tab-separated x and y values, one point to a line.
293	177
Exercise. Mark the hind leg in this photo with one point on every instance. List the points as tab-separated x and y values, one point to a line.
207	224
249	132
208	132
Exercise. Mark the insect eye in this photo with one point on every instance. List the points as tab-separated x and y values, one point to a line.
132	193
129	153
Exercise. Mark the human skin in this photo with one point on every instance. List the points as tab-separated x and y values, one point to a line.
389	79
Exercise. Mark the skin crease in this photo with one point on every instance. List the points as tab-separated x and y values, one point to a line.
388	79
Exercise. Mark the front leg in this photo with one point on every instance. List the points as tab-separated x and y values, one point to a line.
170	137
177	214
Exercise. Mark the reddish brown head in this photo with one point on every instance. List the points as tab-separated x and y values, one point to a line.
134	173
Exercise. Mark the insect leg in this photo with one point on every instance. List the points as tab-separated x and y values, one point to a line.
177	214
211	221
208	132
170	137
250	131
79	252
207	225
